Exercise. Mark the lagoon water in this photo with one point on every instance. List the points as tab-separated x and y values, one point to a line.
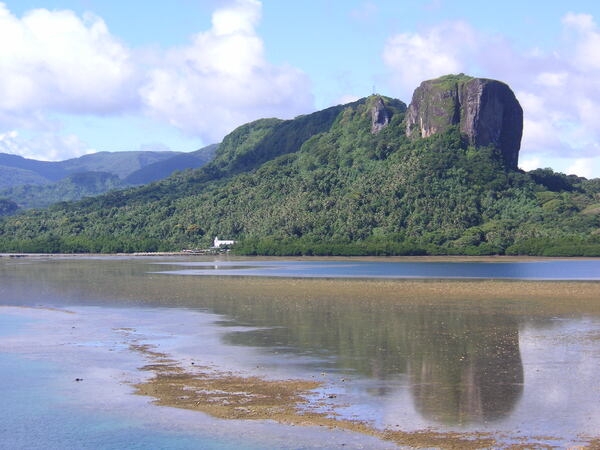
576	269
397	353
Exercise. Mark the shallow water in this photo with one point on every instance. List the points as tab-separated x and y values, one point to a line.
389	353
67	383
560	269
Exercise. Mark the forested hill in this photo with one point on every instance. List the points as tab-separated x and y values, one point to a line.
353	179
27	183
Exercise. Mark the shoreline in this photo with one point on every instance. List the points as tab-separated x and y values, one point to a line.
233	396
431	258
228	395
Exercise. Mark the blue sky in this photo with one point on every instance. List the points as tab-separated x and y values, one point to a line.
82	76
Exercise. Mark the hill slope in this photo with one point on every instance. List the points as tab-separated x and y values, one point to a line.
117	163
72	187
13	176
33	171
38	184
346	180
120	164
164	168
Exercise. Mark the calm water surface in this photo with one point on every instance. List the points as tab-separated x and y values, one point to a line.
573	269
428	363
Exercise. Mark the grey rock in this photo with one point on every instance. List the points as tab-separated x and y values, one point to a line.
486	111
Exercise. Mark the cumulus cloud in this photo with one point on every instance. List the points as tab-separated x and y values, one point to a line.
584	38
558	88
530	163
568	96
222	78
54	60
415	57
58	62
44	146
582	167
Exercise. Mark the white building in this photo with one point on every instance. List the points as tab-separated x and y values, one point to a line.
217	243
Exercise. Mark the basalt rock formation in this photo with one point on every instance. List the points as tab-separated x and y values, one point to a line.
486	111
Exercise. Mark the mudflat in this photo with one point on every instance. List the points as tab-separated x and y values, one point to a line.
226	395
230	395
470	360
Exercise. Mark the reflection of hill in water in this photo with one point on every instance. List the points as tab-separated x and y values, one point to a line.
462	357
463	366
468	368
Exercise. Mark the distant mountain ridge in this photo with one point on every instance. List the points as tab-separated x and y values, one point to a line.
163	168
33	171
33	183
120	164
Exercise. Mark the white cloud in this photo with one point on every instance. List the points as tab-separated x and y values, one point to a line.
550	79
530	164
53	60
584	37
582	167
222	79
558	89
57	62
415	57
568	96
45	146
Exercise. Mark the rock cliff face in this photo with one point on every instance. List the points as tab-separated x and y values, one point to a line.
380	116
486	111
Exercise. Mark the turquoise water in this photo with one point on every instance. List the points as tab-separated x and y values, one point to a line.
44	407
34	417
41	409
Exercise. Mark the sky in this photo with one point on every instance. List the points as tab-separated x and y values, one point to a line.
83	76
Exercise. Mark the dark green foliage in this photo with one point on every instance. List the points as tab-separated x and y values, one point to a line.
324	184
255	143
553	181
450	81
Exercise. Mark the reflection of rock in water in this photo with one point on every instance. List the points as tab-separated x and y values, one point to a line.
465	365
468	370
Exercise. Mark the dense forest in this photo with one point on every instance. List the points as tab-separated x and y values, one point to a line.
326	184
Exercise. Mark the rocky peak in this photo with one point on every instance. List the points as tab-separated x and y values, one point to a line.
486	111
380	116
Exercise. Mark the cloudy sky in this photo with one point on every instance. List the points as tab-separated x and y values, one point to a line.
80	76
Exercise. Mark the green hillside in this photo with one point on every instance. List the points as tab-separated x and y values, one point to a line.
72	187
39	184
30	171
16	170
327	183
14	176
121	164
163	168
